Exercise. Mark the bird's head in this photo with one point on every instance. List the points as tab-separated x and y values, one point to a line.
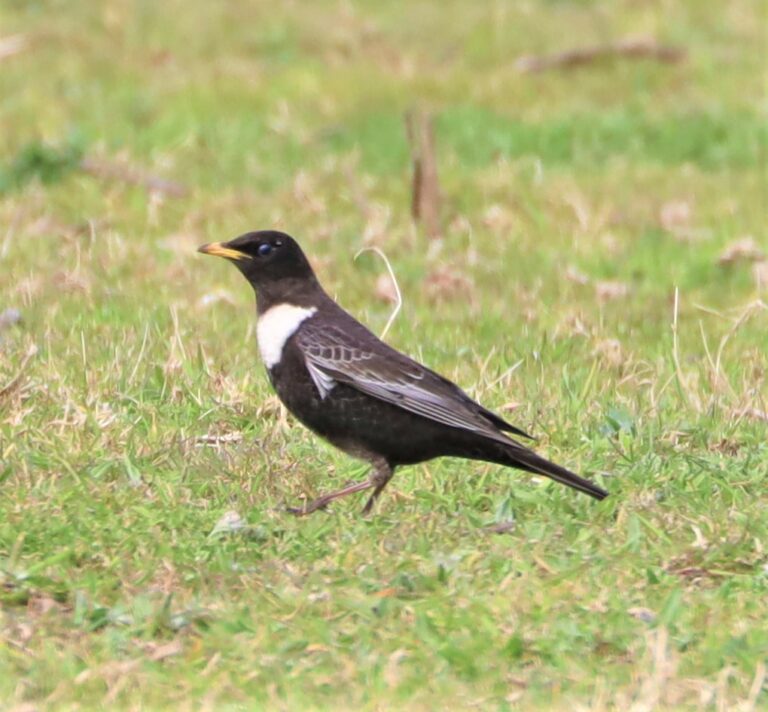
266	258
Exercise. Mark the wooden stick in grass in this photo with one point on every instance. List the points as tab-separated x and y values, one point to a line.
628	48
425	195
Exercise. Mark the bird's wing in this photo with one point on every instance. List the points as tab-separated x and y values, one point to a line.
334	354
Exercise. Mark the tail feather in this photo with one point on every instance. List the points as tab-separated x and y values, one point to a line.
525	459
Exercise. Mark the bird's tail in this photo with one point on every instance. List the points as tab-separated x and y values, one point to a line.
522	458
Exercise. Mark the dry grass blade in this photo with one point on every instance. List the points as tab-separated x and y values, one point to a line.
393	278
629	48
754	413
749	311
679	375
425	196
214	440
11	386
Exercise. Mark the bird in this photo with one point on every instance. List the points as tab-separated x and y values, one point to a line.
355	391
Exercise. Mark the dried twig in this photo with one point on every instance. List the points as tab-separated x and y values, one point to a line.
629	48
135	176
425	196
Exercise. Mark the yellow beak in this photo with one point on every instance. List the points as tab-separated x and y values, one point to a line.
218	250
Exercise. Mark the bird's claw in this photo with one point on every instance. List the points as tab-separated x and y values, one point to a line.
308	508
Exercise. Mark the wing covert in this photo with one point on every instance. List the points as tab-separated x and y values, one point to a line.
332	356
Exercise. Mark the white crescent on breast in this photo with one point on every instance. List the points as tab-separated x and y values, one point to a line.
276	326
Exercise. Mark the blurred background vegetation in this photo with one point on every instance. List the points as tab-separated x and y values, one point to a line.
599	275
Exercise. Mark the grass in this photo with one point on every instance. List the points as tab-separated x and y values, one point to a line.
577	205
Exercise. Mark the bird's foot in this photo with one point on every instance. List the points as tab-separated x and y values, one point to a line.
323	501
313	506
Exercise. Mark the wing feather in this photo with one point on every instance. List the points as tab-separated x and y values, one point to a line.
332	356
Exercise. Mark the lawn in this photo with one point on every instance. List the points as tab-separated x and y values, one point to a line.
600	280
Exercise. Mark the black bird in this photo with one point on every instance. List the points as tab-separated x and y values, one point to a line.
349	387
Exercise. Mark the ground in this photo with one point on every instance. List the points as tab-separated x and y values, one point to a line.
598	281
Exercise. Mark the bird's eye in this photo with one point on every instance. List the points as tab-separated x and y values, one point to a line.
264	249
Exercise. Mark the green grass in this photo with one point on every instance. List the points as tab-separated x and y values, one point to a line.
120	588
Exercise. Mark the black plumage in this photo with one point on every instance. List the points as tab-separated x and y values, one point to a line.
351	388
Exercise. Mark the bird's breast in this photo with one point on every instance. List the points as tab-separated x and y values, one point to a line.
276	326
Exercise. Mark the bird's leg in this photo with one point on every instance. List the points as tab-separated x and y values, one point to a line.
324	500
381	475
